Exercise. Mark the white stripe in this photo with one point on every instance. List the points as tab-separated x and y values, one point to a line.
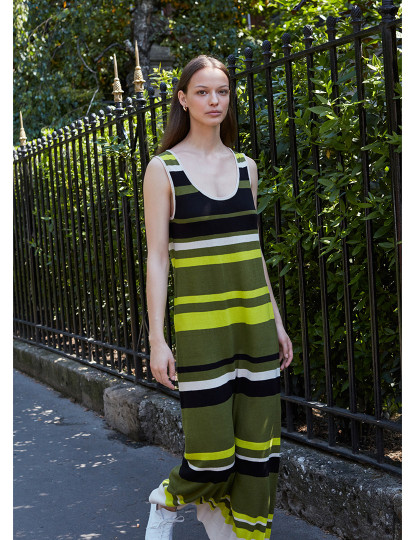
213	242
210	468
251	522
275	454
223	379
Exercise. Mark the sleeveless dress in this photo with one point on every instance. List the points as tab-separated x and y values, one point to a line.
227	360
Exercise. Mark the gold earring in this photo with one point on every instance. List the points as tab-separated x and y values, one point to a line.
184	108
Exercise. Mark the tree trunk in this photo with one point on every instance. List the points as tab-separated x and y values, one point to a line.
146	24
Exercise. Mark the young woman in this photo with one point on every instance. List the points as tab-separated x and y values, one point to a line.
200	206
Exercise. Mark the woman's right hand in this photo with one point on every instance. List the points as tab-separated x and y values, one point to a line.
162	364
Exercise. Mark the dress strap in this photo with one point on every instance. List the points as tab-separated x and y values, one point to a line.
245	179
175	174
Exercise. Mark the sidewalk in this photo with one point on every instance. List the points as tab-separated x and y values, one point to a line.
76	479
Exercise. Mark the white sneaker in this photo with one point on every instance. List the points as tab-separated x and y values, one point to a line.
160	523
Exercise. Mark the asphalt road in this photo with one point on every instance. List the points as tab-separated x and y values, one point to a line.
77	479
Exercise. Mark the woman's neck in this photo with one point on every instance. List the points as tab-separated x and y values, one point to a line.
203	139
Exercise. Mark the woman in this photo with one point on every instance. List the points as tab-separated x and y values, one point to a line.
200	205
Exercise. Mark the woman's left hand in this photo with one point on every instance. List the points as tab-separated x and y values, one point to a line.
286	347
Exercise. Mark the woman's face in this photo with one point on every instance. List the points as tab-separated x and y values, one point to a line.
207	96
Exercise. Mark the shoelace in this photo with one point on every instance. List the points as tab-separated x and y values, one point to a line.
167	521
166	526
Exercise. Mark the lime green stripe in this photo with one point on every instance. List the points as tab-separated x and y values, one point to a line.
217	259
255	445
223	317
210	456
196	299
169	496
169	159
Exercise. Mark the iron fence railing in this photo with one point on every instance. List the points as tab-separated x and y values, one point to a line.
80	253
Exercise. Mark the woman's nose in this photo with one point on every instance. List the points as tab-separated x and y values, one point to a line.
213	97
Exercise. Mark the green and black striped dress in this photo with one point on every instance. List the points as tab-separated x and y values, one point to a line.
226	360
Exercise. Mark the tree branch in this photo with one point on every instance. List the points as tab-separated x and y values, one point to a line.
107	49
82	60
39	25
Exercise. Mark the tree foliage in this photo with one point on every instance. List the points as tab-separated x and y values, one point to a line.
63	49
61	61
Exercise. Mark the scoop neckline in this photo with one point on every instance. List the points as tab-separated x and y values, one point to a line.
201	190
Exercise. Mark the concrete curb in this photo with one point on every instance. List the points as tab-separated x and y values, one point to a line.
347	499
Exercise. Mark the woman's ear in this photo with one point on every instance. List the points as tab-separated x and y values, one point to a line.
182	97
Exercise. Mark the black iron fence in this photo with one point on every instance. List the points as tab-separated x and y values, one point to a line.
323	124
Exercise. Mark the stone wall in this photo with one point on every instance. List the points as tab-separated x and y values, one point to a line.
350	500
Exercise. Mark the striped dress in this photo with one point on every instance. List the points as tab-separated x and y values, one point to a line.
226	360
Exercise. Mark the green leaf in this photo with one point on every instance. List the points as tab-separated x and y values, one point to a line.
320	110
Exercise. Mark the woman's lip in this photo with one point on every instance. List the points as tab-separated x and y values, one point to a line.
214	112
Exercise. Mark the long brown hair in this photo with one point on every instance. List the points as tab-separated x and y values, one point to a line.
178	124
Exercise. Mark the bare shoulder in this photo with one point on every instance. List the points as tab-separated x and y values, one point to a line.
155	165
251	163
156	174
253	170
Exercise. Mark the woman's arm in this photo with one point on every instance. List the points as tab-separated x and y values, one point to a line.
156	213
286	348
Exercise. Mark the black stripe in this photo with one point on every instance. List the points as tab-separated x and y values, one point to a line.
243	171
213	226
241	385
196	204
225	361
257	468
203	477
179	178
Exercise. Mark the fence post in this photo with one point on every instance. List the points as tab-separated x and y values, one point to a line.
233	100
140	102
286	46
331	23
117	92
394	123
28	210
322	258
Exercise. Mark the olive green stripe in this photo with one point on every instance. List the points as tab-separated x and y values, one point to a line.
259	341
190	188
185	190
218	278
244	184
214	216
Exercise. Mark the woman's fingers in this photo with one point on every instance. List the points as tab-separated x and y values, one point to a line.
286	350
161	369
172	369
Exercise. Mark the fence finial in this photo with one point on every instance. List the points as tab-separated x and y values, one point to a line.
138	74
388	10
23	138
116	87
